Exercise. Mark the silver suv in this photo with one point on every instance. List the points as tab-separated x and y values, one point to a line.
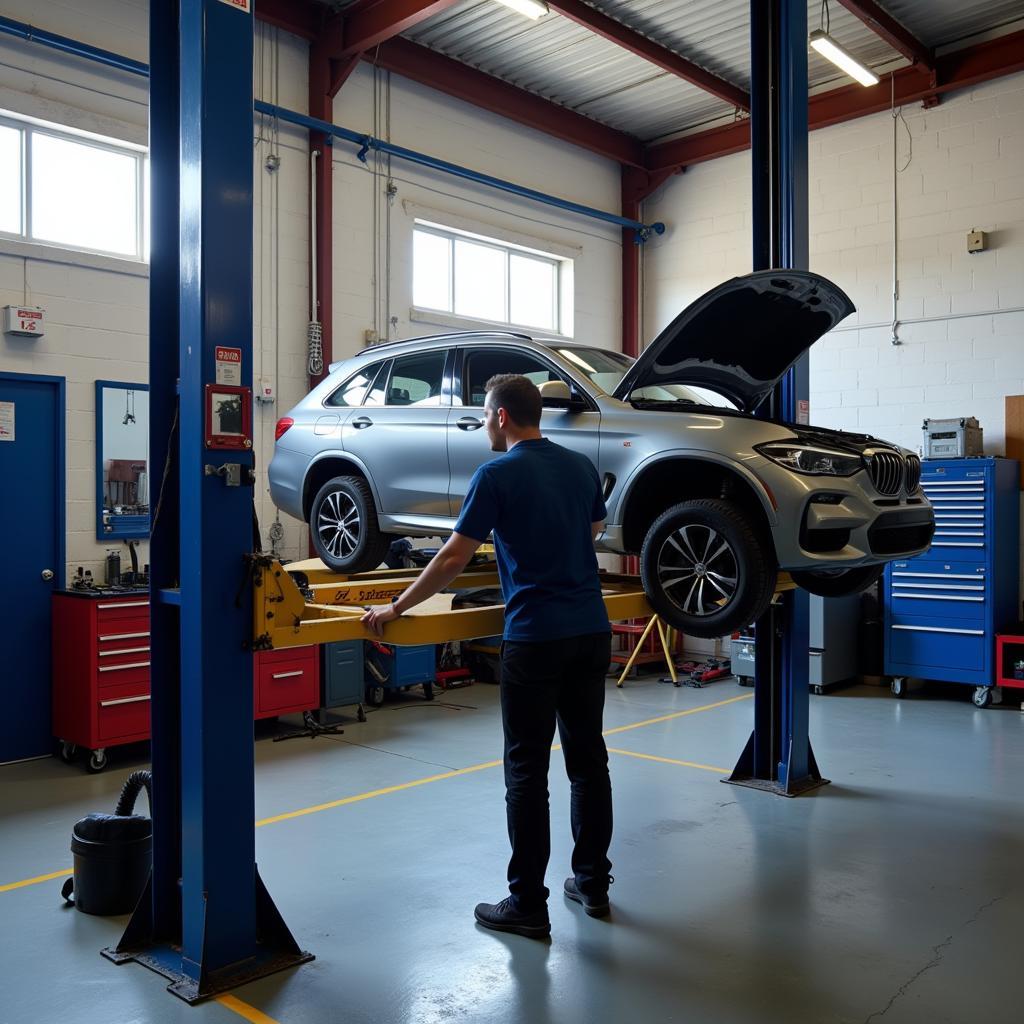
712	498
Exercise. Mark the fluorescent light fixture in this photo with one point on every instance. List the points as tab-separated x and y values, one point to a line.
531	8
831	50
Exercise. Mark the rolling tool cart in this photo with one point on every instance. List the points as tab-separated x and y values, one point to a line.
943	608
397	668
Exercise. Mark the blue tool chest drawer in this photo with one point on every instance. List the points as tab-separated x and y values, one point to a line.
944	608
341	674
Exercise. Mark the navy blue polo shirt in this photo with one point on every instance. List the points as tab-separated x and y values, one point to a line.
539	500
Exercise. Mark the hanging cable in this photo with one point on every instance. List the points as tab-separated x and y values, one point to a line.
896	113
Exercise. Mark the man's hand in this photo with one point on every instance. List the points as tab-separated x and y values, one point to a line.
376	618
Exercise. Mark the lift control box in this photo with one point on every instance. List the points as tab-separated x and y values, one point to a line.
26	321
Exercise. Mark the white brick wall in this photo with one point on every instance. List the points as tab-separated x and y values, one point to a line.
84	297
964	351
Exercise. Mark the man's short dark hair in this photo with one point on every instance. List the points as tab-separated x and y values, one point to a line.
518	396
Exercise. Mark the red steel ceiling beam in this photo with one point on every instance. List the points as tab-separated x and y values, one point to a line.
886	27
300	17
958	70
661	56
466	83
373	23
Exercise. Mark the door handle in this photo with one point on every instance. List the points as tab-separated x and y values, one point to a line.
362	422
47	575
469	423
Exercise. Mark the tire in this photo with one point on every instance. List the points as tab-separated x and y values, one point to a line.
706	570
358	546
837	582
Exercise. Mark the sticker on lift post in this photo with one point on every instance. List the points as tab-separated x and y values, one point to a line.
242	5
227	365
228	417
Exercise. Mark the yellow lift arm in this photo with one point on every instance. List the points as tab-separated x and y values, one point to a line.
330	606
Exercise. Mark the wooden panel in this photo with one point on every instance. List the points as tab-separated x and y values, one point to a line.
1015	431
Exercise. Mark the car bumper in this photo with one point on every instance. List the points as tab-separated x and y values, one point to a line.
286	473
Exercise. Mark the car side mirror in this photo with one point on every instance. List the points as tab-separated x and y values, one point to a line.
555	394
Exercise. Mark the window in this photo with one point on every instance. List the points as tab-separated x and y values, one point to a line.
483	364
467	275
72	190
416	379
353	391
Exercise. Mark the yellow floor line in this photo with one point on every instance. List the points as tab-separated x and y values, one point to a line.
671	760
243	1009
678	714
375	792
316	808
35	881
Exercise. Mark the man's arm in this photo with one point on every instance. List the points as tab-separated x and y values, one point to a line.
596	529
444	567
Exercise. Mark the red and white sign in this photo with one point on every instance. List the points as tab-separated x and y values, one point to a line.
228	365
803	411
25	320
242	5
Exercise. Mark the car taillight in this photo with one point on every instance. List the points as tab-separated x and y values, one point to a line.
282	427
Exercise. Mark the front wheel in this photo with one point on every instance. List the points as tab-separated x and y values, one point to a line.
705	569
837	582
343	526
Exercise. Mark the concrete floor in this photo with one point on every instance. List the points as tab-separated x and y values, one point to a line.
892	895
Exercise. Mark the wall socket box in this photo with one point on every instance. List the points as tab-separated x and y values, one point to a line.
370	336
977	241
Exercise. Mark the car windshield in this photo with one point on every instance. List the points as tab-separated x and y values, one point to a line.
606	369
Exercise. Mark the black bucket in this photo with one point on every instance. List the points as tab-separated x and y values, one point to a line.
113	854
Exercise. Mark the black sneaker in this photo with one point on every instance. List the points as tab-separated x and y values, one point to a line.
594	905
504	917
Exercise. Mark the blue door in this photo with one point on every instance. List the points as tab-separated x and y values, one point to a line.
32	521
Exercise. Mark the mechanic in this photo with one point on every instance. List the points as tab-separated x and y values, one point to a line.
543	504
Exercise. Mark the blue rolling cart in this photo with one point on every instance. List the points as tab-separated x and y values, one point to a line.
944	608
389	667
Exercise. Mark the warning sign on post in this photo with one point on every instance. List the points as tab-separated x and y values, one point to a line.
229	365
242	5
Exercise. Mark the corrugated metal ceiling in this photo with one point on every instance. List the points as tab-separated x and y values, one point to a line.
568	64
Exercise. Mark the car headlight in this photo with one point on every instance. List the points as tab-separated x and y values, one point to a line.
814	461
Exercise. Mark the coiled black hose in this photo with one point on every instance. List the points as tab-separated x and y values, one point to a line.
135	782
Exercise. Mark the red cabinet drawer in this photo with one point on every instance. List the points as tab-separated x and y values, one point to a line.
123	713
286	681
124	670
114	615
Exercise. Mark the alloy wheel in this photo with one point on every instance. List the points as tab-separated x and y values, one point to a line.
338	524
697	570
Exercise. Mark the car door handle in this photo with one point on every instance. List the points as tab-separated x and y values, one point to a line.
469	423
361	422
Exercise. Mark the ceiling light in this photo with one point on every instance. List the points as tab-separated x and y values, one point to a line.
831	50
531	8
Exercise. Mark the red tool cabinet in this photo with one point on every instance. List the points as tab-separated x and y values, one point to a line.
101	673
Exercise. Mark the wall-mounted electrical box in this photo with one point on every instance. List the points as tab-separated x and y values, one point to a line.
977	241
265	391
26	321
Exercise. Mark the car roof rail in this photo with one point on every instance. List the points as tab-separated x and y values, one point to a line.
454	335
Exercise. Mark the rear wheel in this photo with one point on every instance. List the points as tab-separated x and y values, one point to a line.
838	582
706	570
343	526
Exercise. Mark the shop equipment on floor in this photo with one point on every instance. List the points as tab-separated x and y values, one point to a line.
944	608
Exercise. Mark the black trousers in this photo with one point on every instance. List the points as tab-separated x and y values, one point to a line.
559	681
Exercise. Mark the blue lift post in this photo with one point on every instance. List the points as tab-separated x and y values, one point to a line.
778	756
206	921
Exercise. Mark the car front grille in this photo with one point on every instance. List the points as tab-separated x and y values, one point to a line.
886	469
913	479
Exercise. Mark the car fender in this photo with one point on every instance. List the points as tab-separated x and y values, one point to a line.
695	454
341	453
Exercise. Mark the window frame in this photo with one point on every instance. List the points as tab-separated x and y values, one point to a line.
28	128
508	249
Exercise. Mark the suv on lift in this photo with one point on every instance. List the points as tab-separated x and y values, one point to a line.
713	499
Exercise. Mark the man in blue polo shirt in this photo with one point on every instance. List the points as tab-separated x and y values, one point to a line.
543	505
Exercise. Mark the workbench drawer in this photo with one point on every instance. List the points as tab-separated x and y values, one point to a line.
122	714
127	614
123	670
132	637
286	681
943	644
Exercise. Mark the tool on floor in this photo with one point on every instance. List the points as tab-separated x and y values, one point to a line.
666	648
113	854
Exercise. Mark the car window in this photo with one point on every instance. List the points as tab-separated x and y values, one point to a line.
482	364
354	390
416	379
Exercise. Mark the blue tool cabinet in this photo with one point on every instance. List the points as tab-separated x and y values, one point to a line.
944	608
396	668
341	676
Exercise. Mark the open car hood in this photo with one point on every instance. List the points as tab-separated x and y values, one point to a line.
740	338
